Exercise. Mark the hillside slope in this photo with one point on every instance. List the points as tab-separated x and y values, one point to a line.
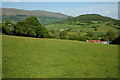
25	57
45	17
12	11
87	17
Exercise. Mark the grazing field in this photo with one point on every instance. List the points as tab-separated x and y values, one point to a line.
25	57
102	28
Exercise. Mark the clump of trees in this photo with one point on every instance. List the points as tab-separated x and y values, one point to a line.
56	33
117	39
30	27
110	36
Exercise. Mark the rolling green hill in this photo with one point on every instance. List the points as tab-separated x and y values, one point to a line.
25	57
86	18
96	23
45	17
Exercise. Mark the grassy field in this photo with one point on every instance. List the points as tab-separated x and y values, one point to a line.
51	58
0	55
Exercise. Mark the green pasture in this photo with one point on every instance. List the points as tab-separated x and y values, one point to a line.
84	29
60	26
25	57
103	28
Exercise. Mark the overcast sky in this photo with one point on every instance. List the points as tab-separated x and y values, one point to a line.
109	9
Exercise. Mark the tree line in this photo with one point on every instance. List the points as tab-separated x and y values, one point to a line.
30	27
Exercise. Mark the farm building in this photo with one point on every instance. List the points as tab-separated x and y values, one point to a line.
98	41
64	29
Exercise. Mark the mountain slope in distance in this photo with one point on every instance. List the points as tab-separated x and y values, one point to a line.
12	11
45	17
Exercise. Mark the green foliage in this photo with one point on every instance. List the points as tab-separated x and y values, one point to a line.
83	38
31	32
63	35
0	28
95	37
90	34
32	21
29	27
117	23
8	27
72	37
96	29
41	31
111	35
117	39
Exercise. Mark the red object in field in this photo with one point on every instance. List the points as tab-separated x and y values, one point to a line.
94	41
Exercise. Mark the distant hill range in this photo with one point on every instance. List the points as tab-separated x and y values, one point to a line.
45	17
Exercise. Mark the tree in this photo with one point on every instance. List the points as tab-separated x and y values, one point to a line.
0	28
95	37
63	34
83	38
41	31
37	29
117	39
90	34
95	29
32	21
73	37
8	27
30	32
110	36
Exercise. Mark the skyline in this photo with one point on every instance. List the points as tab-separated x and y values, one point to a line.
109	9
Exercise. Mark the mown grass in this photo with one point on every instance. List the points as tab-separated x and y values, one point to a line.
25	57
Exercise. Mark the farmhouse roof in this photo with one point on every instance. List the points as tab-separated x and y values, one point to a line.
95	41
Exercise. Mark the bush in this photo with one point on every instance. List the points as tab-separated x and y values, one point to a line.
84	38
95	38
63	37
110	36
90	34
73	37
